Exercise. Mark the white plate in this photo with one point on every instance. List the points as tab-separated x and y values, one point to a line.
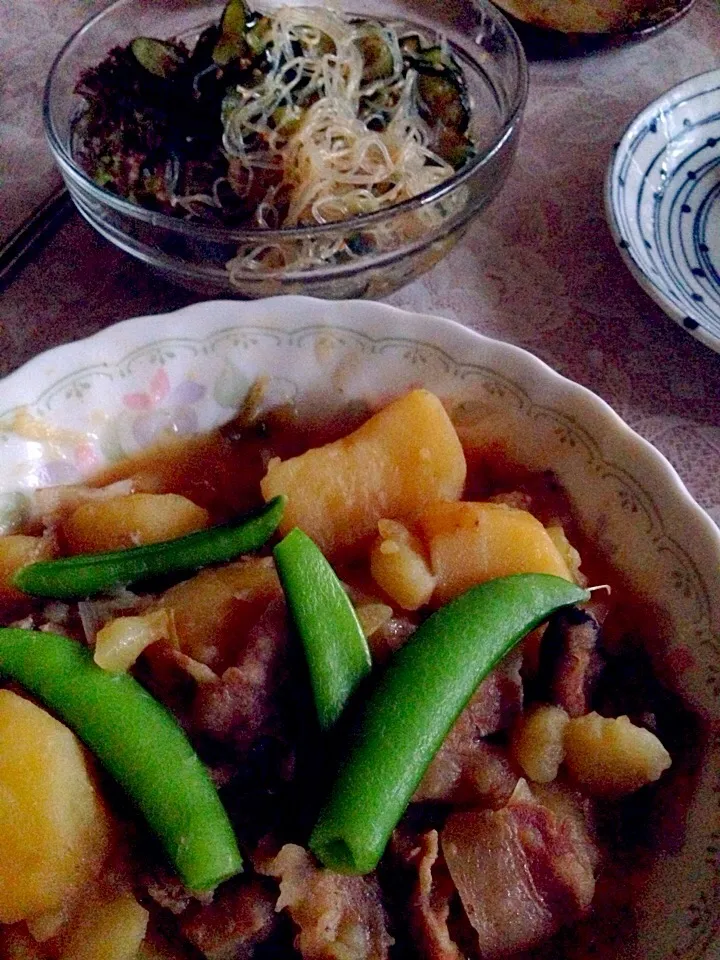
71	410
663	203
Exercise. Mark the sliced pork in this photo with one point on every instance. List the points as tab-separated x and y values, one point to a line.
241	706
466	769
570	663
432	891
173	678
522	872
336	917
241	917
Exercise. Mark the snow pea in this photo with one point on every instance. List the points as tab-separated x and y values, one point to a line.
140	745
411	709
85	575
335	647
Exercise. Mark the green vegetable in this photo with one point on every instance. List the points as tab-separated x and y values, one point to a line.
138	742
258	36
411	710
233	25
158	57
378	60
443	99
335	646
88	574
434	56
454	147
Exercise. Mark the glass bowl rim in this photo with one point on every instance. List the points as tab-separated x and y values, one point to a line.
229	234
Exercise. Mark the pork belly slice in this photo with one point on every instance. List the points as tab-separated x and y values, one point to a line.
522	872
465	769
570	663
337	917
243	704
431	896
240	917
466	772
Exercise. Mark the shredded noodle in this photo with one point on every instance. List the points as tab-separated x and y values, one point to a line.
312	118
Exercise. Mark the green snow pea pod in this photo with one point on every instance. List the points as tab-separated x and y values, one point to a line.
410	711
85	575
336	650
140	745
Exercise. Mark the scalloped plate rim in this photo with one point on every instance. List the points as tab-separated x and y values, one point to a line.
131	327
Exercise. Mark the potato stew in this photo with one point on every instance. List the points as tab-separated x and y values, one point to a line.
324	690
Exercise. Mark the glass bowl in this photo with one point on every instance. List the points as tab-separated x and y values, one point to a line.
200	256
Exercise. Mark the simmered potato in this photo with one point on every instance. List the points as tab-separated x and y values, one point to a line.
537	741
109	931
130	521
18	551
470	543
612	756
212	610
568	552
53	827
399	567
403	458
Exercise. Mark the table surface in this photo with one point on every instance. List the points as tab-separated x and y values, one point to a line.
539	269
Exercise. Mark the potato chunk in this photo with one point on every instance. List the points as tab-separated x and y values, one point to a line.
403	458
213	610
568	552
108	931
130	521
17	551
399	567
53	829
537	742
470	543
612	756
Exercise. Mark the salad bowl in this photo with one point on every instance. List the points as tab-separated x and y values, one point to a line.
217	259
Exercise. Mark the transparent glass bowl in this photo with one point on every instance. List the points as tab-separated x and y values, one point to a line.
196	255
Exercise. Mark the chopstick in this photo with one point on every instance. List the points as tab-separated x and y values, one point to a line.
42	221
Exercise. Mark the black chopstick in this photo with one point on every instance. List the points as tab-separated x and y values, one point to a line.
41	222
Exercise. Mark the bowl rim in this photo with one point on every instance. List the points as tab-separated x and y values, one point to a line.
683	318
166	324
205	231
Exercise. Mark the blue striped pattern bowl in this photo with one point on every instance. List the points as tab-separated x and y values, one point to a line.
663	203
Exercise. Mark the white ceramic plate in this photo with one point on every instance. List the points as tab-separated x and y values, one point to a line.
663	203
69	411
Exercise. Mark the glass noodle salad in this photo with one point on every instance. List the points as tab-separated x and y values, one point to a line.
299	118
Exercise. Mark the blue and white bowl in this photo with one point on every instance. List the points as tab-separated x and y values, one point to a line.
663	203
